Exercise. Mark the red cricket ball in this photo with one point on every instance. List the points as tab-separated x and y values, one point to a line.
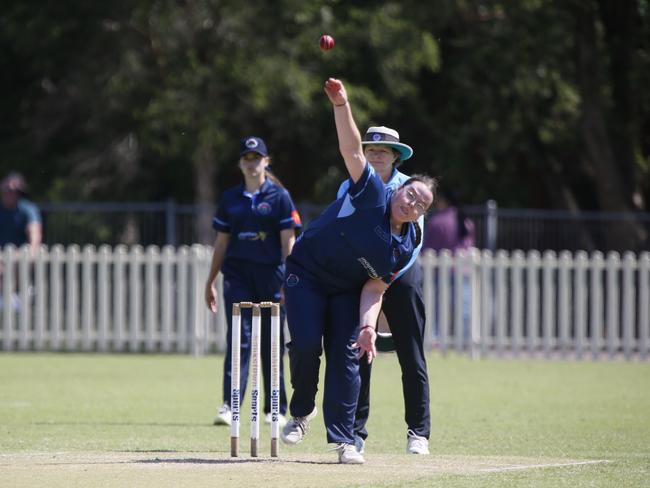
326	42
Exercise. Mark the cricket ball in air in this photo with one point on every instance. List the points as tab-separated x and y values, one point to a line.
326	42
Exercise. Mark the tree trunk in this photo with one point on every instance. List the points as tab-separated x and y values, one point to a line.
204	173
619	19
598	153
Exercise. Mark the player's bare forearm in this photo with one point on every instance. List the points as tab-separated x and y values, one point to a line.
220	246
287	240
370	303
346	129
370	306
35	236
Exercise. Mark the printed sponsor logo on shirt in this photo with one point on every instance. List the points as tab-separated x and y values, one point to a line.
296	217
252	236
264	208
369	269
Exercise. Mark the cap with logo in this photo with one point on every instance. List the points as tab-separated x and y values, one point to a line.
387	137
253	144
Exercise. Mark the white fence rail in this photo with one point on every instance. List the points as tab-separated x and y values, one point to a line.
151	300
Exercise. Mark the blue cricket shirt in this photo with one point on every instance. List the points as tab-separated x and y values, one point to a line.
351	240
397	179
254	222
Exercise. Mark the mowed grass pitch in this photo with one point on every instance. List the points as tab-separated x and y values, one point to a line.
145	420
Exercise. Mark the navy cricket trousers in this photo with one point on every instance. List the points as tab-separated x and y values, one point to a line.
403	306
244	281
321	319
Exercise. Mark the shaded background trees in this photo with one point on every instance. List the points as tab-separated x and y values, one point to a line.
536	103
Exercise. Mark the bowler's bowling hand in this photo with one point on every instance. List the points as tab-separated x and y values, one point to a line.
335	91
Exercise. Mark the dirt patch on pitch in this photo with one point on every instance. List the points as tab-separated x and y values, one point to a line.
199	469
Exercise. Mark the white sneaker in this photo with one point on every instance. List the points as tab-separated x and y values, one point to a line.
359	444
224	415
296	428
282	420
348	454
416	444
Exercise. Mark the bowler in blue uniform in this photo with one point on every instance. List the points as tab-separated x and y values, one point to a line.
335	278
255	224
403	306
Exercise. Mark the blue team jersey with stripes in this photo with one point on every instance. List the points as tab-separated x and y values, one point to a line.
396	180
351	241
254	222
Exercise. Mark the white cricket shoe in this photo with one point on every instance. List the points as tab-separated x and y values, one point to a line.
416	444
348	454
359	444
224	415
296	428
282	420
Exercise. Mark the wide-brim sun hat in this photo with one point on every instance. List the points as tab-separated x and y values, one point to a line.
385	136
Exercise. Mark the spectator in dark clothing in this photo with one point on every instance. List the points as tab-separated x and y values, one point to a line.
20	223
20	220
449	228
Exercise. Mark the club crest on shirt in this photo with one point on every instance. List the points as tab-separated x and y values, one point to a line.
264	208
292	280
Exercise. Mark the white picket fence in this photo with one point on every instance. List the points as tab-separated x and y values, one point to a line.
151	300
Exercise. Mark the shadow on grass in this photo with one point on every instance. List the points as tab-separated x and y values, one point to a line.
128	424
229	461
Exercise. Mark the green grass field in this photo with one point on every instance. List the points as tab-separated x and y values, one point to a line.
120	420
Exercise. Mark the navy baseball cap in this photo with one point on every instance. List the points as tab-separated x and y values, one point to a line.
252	144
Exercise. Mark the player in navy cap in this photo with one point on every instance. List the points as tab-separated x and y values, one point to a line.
255	224
335	278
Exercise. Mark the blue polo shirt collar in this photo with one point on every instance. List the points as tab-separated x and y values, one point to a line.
263	189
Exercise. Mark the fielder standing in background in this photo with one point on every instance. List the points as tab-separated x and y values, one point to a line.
336	275
255	224
403	306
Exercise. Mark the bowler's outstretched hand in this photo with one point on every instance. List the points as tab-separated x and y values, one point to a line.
336	91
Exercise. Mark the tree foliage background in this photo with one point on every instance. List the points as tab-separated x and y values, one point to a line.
535	103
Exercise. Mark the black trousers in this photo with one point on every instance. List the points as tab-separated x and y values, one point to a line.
403	306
